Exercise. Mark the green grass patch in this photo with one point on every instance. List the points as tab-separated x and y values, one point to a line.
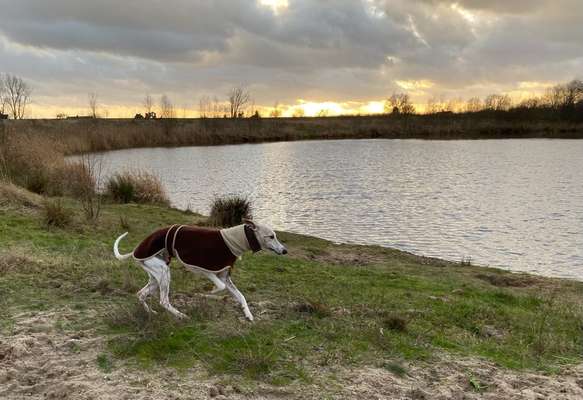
324	305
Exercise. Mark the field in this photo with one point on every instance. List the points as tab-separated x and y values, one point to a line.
89	135
332	321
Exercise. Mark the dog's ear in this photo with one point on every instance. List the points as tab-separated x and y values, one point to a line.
250	223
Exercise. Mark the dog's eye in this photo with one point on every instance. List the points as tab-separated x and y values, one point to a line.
271	237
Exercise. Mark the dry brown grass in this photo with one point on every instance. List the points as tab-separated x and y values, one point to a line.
82	136
55	214
37	163
136	187
33	162
12	195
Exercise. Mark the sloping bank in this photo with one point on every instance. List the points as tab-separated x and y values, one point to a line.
87	135
332	321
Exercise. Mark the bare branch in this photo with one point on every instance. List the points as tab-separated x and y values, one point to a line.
16	95
238	99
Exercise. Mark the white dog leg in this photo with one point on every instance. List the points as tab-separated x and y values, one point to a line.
239	297
219	284
161	272
146	291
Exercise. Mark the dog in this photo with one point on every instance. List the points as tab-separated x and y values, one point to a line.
208	251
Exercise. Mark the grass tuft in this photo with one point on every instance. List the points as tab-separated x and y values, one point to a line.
395	323
104	363
315	308
229	211
396	368
55	214
136	187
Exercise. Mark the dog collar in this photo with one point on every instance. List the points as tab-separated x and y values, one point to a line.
252	239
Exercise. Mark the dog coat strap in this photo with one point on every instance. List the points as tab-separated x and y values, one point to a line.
252	239
174	239
166	238
169	240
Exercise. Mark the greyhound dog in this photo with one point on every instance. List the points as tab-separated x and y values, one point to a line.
211	252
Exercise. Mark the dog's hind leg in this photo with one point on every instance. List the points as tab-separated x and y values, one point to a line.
238	296
220	285
146	291
161	272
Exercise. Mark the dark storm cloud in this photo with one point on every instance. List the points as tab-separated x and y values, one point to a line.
324	49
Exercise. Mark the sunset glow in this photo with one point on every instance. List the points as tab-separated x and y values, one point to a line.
311	57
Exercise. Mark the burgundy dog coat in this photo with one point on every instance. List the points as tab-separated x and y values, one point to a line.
193	246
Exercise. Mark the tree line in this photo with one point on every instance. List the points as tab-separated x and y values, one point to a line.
562	101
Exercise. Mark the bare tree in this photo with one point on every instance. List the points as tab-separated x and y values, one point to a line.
433	106
276	112
148	104
2	95
16	95
166	107
566	95
498	102
238	99
399	103
298	112
205	107
474	104
92	98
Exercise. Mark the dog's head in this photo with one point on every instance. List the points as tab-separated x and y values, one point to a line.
266	237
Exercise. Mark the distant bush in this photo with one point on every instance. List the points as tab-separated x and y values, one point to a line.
136	187
229	211
56	214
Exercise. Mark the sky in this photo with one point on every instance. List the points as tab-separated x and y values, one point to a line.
341	56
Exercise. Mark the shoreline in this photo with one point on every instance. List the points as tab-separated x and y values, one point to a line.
77	136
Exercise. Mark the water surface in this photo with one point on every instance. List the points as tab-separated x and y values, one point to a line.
516	204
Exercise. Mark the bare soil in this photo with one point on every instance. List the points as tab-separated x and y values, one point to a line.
40	361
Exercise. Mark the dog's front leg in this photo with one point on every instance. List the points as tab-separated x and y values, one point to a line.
219	284
239	297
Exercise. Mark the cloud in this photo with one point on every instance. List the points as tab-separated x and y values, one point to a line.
328	50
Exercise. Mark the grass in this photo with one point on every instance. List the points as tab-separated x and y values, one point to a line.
312	313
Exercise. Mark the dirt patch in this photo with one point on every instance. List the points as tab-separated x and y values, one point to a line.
460	379
38	361
17	261
510	280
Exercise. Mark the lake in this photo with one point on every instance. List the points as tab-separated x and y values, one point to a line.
515	204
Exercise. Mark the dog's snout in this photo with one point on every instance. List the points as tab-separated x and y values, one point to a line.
284	251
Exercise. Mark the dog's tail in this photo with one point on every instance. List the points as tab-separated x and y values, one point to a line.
116	252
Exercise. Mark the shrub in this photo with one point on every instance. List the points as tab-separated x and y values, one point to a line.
229	211
137	187
77	180
56	214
